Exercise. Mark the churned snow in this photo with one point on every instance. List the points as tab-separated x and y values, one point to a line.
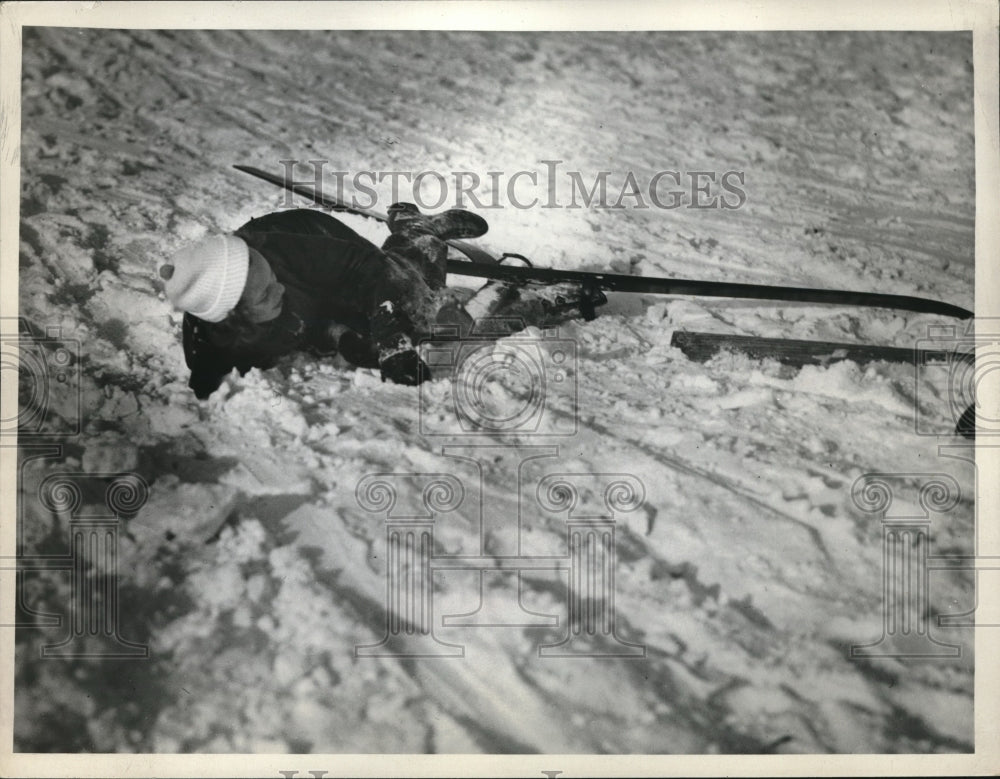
253	572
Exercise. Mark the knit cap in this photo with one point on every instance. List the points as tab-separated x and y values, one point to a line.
207	278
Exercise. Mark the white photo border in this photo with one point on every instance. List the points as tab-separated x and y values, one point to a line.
981	17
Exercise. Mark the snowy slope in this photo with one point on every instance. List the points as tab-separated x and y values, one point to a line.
252	572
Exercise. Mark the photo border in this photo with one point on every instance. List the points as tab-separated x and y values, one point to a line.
979	16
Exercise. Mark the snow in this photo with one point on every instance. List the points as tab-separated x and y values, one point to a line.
252	573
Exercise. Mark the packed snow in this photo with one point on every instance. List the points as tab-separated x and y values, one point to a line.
253	572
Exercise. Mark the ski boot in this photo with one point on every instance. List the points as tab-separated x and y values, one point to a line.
358	350
406	219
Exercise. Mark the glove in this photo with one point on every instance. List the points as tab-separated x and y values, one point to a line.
404	367
358	350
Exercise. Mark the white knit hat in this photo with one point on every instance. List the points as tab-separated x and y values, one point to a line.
207	278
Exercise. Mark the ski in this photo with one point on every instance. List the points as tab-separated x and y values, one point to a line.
484	265
612	282
701	347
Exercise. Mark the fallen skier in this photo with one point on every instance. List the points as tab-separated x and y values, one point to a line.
302	280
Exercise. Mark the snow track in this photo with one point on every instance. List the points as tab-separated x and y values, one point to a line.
747	572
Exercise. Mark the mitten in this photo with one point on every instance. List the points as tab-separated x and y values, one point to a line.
404	367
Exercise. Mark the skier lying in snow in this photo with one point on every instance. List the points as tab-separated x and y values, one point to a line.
302	280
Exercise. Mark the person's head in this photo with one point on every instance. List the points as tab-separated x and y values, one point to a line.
210	278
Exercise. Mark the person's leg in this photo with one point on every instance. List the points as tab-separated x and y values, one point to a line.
419	239
404	301
418	305
417	244
407	300
505	307
497	309
421	251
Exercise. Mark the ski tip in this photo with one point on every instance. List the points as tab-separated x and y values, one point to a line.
255	171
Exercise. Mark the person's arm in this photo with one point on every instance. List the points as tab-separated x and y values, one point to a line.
354	285
209	365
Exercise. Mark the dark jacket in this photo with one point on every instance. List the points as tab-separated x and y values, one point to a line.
330	274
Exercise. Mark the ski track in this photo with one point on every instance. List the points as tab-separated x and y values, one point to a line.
746	573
